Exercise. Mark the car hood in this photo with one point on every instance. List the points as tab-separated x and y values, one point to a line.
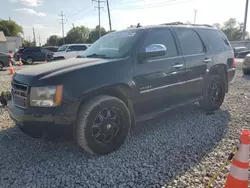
57	67
56	54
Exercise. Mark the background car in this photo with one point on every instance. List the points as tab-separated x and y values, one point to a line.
51	48
29	55
70	50
5	59
246	65
241	52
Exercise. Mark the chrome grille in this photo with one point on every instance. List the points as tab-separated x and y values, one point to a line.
19	94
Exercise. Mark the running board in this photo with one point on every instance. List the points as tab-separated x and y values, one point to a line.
154	114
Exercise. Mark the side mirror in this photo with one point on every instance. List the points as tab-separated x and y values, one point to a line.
153	50
68	50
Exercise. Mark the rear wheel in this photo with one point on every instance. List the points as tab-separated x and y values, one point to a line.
29	60
102	125
214	93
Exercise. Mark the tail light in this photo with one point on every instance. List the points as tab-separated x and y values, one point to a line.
234	63
19	54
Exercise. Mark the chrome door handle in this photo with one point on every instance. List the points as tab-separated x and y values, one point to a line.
207	60
178	66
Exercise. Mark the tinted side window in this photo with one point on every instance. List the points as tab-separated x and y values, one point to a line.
71	48
161	36
189	40
33	50
80	48
216	40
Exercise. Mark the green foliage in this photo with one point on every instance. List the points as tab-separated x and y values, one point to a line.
232	29
10	28
94	34
27	43
78	35
54	40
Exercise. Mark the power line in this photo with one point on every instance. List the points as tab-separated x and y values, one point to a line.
99	14
79	11
62	19
126	2
160	4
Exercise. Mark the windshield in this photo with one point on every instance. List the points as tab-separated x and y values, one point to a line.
113	45
62	48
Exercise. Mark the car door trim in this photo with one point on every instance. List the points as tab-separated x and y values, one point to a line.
170	85
162	59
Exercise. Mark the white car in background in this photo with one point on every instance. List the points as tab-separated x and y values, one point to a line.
70	50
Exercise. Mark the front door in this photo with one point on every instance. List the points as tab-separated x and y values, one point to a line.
159	80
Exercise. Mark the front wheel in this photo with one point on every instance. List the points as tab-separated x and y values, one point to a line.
214	93
245	71
103	124
29	60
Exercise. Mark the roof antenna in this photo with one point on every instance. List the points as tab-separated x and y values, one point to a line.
138	25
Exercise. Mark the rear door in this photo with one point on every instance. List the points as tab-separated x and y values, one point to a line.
194	53
159	80
80	49
34	53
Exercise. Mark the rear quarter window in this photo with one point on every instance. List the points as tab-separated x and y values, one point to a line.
216	40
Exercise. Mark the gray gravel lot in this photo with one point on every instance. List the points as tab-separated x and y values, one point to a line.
182	148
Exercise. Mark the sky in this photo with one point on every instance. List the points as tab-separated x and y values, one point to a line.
43	15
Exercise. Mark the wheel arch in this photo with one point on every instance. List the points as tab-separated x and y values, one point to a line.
221	70
121	91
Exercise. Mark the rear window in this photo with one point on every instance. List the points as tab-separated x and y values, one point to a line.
32	50
216	40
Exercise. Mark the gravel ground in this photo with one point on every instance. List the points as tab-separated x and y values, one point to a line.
183	148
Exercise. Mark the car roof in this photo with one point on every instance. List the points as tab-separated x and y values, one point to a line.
168	25
83	44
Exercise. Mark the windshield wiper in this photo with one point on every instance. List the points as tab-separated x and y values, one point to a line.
99	55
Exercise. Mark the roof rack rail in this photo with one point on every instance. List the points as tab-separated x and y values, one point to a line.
173	23
181	23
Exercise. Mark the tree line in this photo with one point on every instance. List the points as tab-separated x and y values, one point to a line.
81	34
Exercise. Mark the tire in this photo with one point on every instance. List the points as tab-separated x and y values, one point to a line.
95	112
245	71
1	66
209	101
29	60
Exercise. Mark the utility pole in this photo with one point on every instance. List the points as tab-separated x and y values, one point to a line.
245	22
110	27
34	36
195	12
62	19
39	38
99	14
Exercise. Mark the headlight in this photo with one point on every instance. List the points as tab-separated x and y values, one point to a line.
50	96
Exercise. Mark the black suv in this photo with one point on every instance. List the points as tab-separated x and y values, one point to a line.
123	78
29	55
